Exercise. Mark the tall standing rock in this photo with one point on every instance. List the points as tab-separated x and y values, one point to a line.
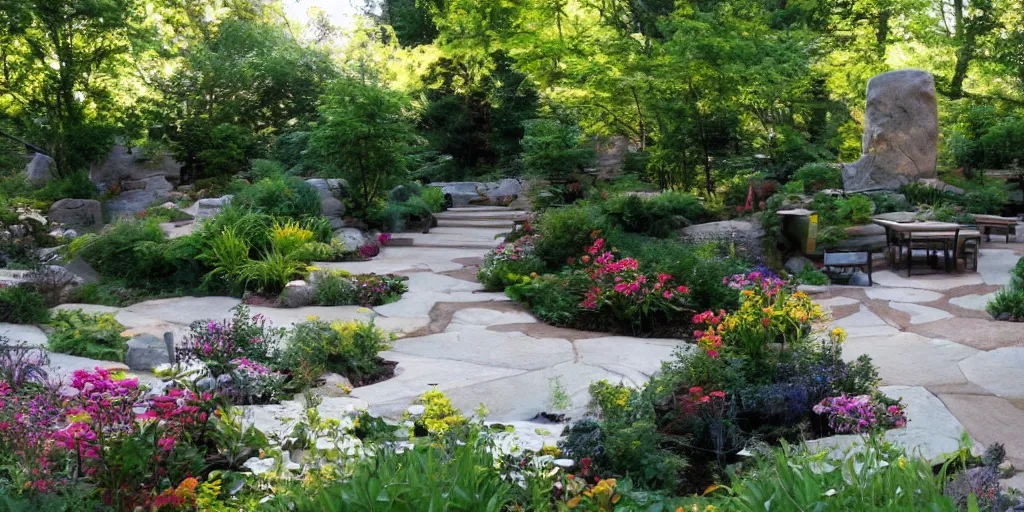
901	133
40	169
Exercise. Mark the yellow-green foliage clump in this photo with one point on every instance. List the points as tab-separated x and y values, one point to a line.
439	415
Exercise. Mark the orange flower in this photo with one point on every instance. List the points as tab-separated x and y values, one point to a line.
573	502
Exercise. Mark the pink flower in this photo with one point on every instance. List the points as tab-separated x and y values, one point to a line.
713	354
718	394
667	295
166	443
696	390
682	289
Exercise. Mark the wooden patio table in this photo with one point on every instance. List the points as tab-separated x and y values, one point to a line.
904	231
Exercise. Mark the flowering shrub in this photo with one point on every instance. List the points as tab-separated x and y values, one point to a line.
96	336
384	238
860	414
770	312
218	344
619	289
340	288
374	290
109	432
504	265
369	250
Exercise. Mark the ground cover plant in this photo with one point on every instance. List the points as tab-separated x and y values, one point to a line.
96	336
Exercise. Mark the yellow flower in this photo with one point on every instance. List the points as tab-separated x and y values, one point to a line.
363	310
902	462
838	335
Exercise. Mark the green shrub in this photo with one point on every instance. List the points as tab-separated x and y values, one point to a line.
553	150
75	186
659	215
270	274
812	276
855	210
319	251
117	250
554	298
281	196
22	305
96	336
446	475
1010	299
347	348
434	198
266	170
334	289
871	479
566	232
159	214
496	274
818	176
288	148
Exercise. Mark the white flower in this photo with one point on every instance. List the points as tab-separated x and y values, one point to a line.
830	492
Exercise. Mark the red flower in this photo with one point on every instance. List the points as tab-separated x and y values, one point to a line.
713	354
718	394
696	390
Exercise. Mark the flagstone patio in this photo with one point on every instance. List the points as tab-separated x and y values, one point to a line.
934	345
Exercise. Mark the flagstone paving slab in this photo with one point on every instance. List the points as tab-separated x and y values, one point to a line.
837	302
911	359
865	323
938	281
902	294
995	264
990	419
416	375
30	334
487	317
419	304
920	314
480	346
975	332
973	301
999	371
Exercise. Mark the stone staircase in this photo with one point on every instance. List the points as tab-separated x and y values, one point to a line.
471	227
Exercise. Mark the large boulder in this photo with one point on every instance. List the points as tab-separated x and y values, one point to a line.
611	157
210	206
331	193
901	133
146	352
77	213
351	238
40	169
465	193
140	180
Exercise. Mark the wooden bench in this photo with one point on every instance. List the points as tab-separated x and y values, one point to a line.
985	224
850	259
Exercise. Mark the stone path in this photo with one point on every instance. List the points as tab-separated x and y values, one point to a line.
932	332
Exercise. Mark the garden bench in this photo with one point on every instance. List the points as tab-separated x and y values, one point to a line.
985	224
850	259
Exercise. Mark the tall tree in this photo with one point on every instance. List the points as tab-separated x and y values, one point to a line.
60	60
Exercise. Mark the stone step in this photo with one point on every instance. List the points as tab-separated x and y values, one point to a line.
497	224
442	244
480	209
507	215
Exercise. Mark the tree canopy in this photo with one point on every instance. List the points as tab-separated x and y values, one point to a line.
704	89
